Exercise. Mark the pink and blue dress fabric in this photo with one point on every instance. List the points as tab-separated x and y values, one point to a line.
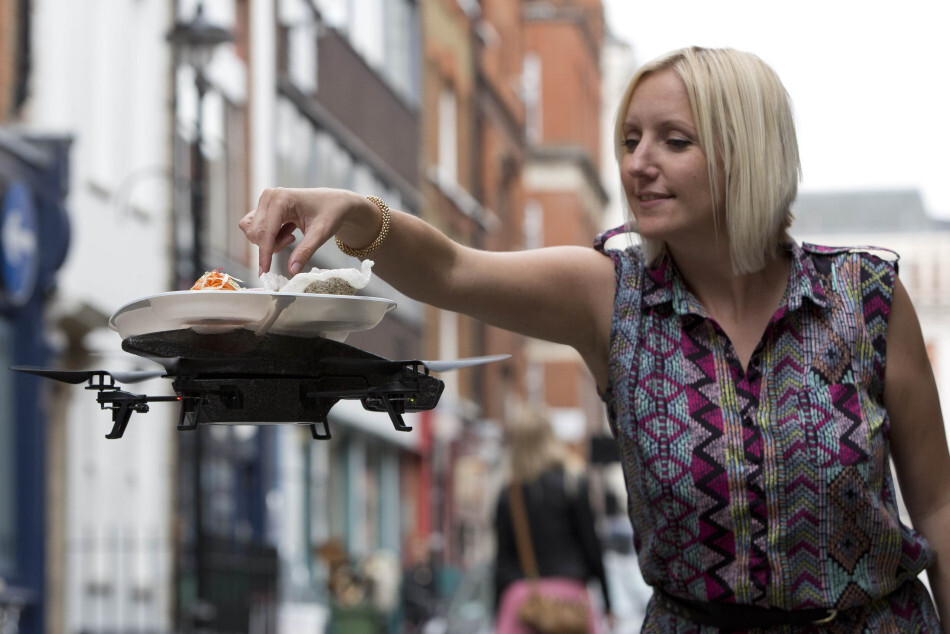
765	485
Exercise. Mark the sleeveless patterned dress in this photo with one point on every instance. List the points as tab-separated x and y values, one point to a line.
770	485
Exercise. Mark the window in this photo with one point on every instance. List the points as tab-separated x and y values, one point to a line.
448	137
302	56
385	33
533	225
336	13
293	146
367	38
297	17
531	87
449	349
401	40
309	156
109	107
227	196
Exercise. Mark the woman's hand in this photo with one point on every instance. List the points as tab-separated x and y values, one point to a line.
318	213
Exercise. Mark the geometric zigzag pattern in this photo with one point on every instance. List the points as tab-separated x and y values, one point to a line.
768	485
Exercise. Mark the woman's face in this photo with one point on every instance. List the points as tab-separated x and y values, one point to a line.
662	168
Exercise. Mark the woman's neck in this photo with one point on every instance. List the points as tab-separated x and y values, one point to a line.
709	275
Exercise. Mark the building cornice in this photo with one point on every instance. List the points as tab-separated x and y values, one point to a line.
546	11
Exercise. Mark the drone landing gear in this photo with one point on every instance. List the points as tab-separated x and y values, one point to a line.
320	429
321	435
394	416
123	405
189	414
373	402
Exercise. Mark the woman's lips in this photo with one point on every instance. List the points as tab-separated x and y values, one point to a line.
647	201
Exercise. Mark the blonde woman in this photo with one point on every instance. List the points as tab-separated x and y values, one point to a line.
758	388
560	521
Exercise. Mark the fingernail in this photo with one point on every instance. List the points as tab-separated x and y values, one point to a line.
294	268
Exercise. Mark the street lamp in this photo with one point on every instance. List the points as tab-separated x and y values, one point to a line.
194	43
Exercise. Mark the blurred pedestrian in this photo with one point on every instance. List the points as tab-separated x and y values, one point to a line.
550	490
419	591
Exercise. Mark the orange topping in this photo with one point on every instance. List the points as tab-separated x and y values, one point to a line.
216	281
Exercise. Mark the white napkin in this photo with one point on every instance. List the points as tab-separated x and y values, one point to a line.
321	281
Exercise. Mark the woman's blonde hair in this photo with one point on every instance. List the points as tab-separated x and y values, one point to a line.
743	117
533	447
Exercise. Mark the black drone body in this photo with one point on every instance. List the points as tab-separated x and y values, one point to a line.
239	377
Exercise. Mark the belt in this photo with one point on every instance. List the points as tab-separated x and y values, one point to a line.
734	616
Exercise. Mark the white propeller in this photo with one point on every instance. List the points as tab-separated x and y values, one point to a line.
455	364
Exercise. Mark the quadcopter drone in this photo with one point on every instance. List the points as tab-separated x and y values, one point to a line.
239	377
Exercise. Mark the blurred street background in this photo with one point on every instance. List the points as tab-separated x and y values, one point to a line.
134	134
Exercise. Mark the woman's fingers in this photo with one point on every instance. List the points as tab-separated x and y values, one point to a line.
272	214
313	238
285	237
270	225
317	213
245	222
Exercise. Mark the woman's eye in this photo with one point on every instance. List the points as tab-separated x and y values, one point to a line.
630	144
679	144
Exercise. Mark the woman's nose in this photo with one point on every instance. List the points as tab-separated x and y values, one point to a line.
640	163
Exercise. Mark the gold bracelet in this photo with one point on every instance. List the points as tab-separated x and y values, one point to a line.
383	232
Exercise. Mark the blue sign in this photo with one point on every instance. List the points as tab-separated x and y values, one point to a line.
19	245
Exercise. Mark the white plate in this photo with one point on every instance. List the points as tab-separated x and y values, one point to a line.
296	314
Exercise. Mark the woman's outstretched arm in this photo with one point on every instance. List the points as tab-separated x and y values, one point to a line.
559	294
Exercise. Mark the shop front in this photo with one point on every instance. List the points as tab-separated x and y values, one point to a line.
34	236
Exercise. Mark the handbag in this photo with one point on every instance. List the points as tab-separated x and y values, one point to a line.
542	611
